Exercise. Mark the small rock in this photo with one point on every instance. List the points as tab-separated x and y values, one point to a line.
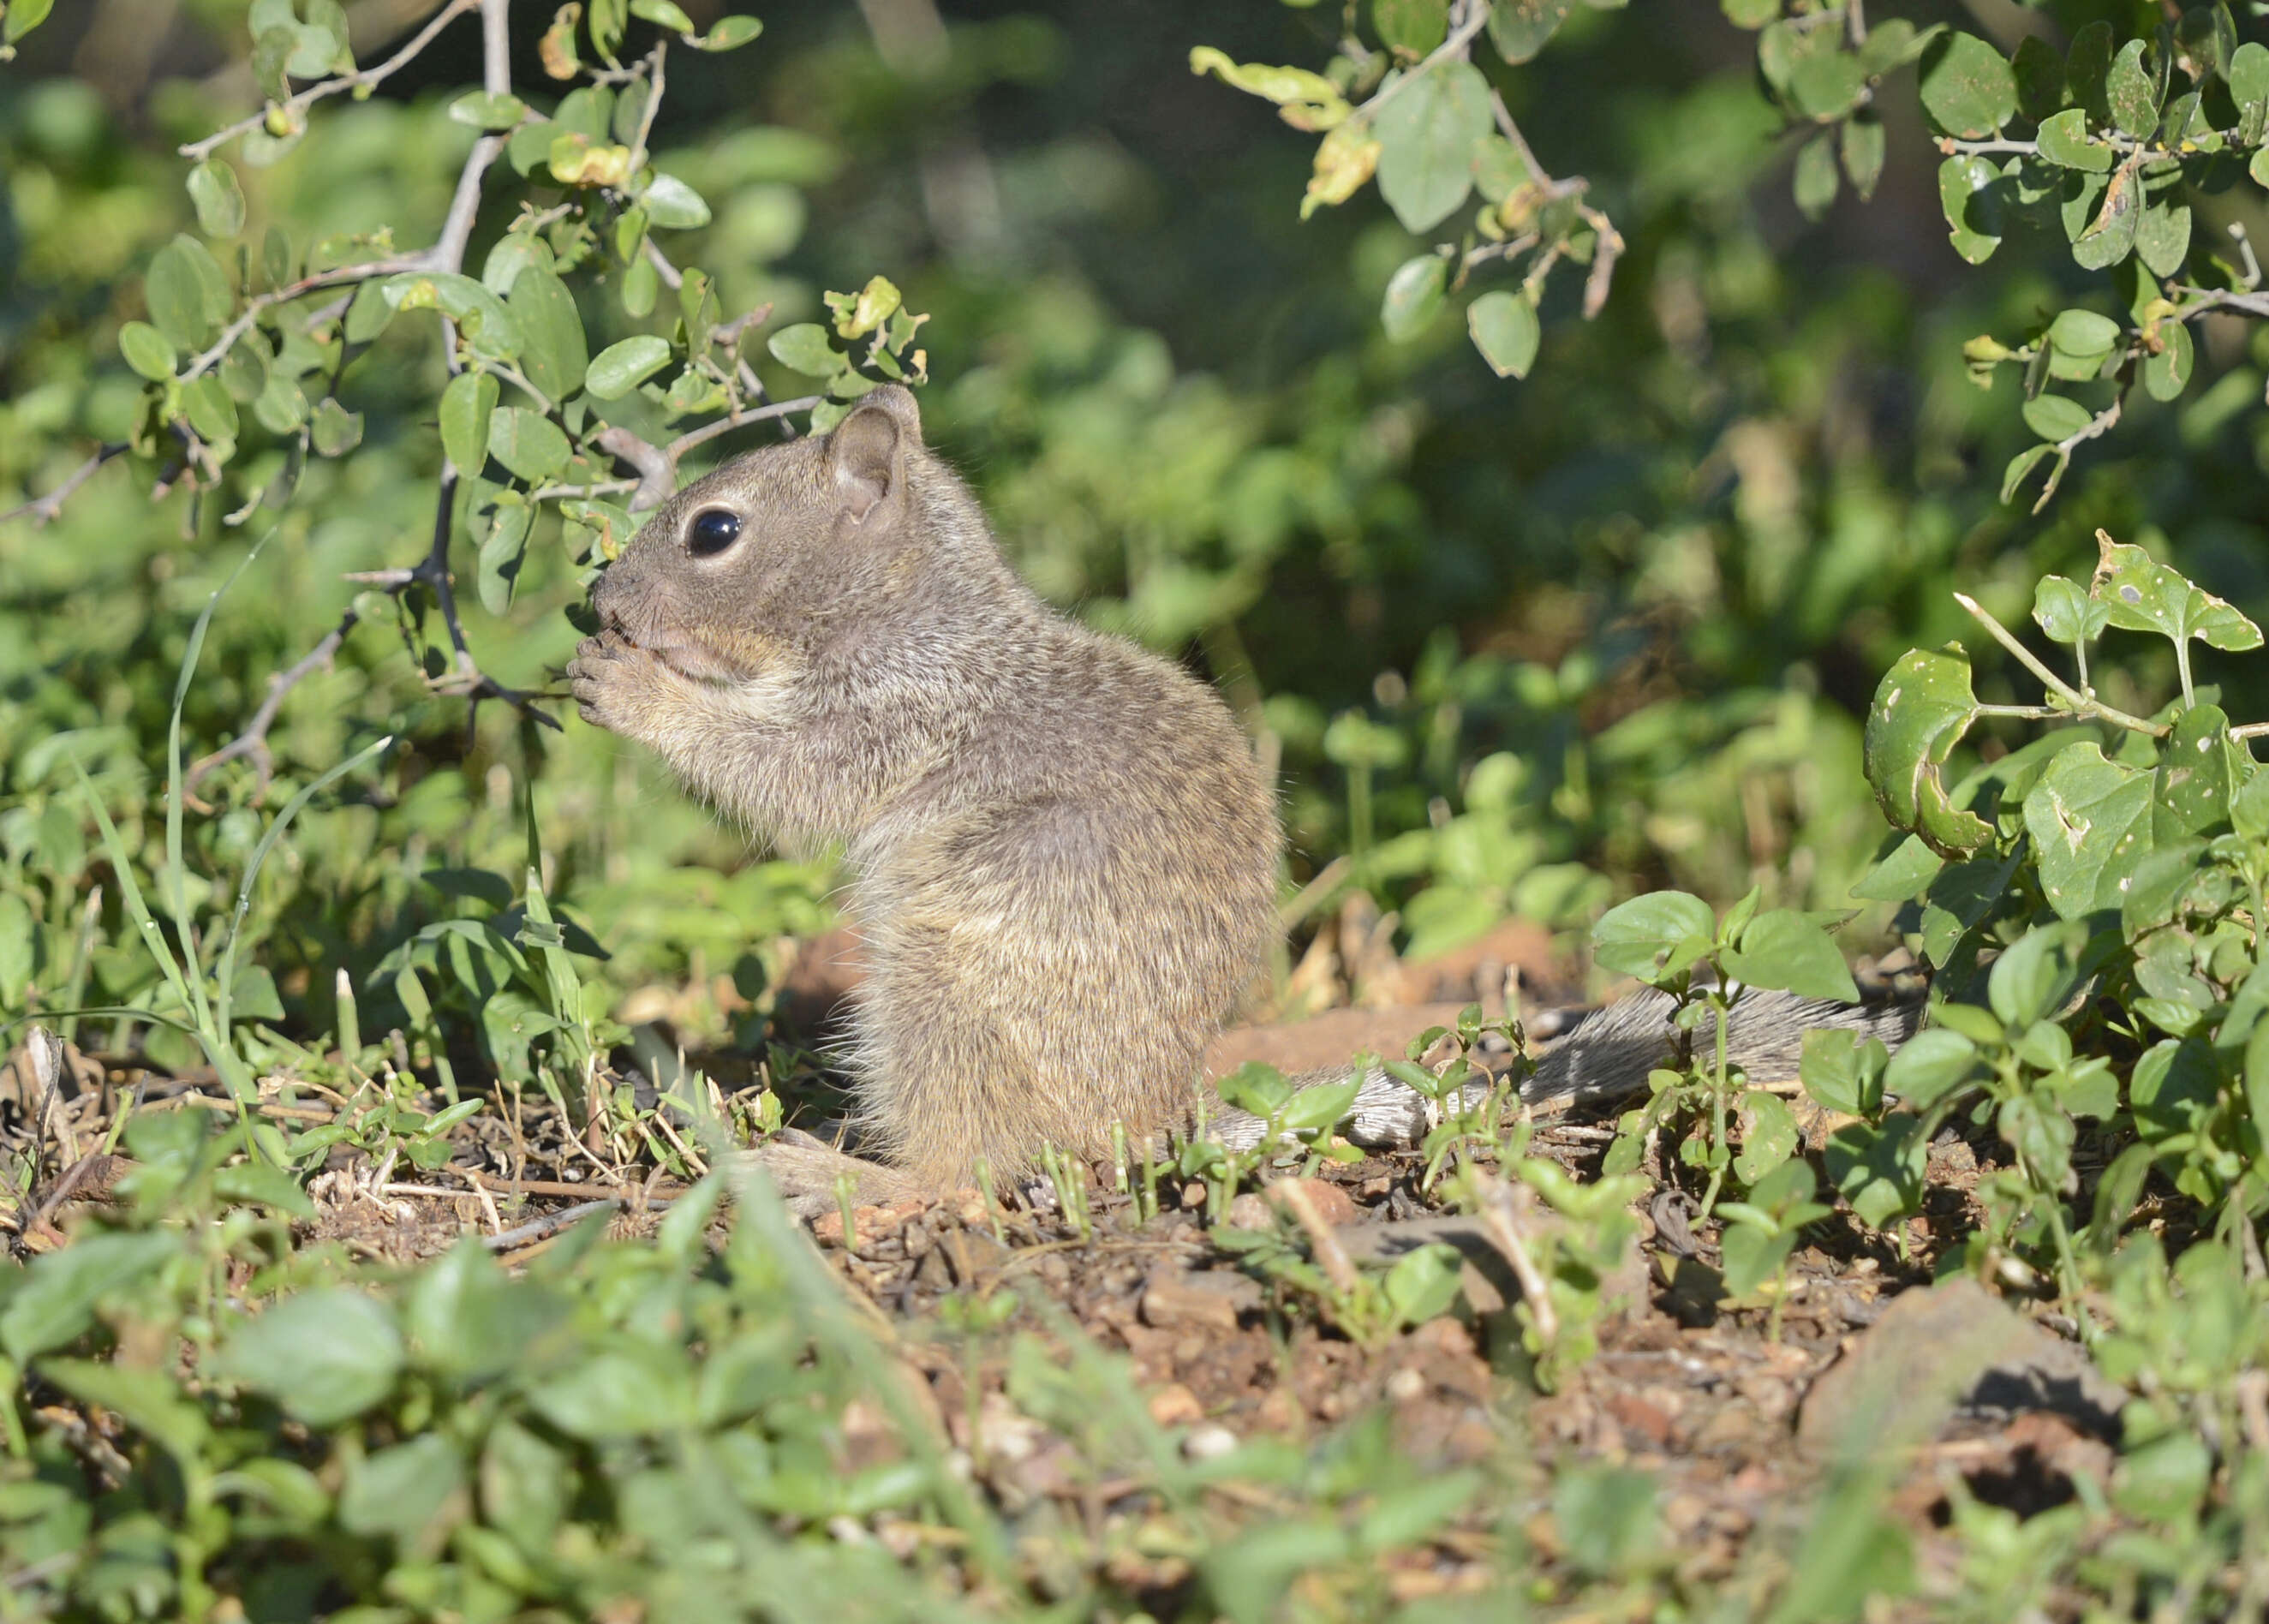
1175	1406
1329	1202
1405	1385
1248	1211
1174	1297
1209	1441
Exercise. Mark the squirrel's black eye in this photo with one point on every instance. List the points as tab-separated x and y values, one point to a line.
714	529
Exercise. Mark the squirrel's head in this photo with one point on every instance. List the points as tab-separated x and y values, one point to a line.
763	559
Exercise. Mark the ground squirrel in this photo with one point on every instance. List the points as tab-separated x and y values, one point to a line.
1062	854
1060	849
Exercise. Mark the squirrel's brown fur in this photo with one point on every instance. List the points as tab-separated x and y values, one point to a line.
1061	852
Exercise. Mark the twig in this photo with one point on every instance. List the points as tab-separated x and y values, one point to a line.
653	105
1502	1206
253	742
2086	705
44	510
1469	28
303	100
708	432
657	468
1330	1257
551	1223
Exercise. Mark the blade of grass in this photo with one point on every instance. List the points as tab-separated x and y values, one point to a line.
177	896
226	975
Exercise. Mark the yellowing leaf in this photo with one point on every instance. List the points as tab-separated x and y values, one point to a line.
1345	160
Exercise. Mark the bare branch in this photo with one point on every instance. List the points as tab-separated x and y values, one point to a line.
2084	704
253	742
657	469
653	105
43	511
303	100
708	432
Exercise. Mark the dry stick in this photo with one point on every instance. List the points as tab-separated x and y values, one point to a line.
1330	1257
313	93
2087	704
1502	1206
551	1223
253	742
43	511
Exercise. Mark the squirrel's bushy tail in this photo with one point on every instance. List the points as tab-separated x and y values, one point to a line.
1605	1055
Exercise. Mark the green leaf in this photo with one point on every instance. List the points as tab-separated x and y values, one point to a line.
527	443
209	410
1784	950
1605	1516
1862	143
1319	1105
2162	237
148	1401
2023	464
2056	416
54	1303
403	1489
552	349
1902	875
2249	74
730	33
335	431
2090	820
466	405
621	367
219	200
2083	333
1843	1074
483	318
502	551
1879	1170
146	352
1414	297
1827	84
1930	1066
2141	595
673	205
2039	74
189	297
1968	87
23	16
2032	976
1752	1255
1504	330
1416	26
1921	710
1422	1284
1519	28
1750	14
1653	937
804	348
484	110
2065	613
326	1354
663	14
2064	141
1969	191
2200	767
1814	183
2130	91
1426	134
2167	373
1768	1135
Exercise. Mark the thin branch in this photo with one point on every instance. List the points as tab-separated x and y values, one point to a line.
1502	1207
671	277
1477	18
657	469
653	105
2086	705
44	510
253	742
303	100
708	432
344	276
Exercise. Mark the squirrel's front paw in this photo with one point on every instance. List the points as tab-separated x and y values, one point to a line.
615	682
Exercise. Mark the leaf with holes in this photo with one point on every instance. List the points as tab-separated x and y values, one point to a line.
1922	708
2142	594
2090	820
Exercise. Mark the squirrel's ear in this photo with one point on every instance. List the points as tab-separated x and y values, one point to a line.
867	452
